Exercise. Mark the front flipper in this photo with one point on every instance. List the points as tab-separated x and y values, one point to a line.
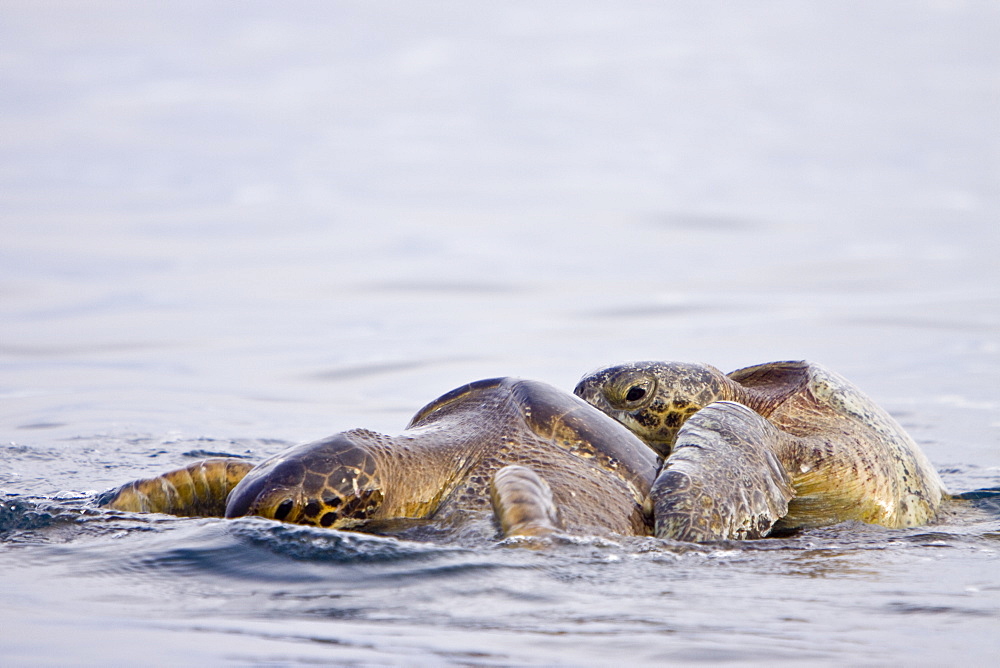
523	503
722	479
197	490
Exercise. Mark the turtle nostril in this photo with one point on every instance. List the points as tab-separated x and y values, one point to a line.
285	507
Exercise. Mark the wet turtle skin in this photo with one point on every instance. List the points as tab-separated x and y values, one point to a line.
718	483
539	459
199	489
843	456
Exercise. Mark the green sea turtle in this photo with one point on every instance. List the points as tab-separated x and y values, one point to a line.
776	446
540	459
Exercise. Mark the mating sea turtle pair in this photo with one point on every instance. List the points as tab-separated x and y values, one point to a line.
780	445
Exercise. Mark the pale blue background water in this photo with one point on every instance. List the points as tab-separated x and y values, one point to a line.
233	226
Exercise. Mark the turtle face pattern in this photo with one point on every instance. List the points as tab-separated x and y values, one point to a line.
654	399
330	483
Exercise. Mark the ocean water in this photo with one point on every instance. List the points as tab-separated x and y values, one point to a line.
228	228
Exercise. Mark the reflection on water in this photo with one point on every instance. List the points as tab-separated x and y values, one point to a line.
229	231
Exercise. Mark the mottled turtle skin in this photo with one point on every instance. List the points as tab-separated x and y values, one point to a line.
541	460
781	445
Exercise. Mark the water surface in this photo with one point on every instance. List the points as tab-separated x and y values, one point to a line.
230	228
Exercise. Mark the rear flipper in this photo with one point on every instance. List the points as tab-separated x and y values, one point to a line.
197	490
523	503
722	479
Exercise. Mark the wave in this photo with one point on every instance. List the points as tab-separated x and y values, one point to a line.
21	515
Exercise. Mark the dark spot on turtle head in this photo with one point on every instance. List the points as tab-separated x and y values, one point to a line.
681	403
312	508
332	502
328	519
285	507
672	420
360	505
647	419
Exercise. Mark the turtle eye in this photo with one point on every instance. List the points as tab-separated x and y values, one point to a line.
635	393
285	507
629	391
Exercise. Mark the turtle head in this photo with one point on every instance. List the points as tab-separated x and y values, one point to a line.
331	483
653	399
